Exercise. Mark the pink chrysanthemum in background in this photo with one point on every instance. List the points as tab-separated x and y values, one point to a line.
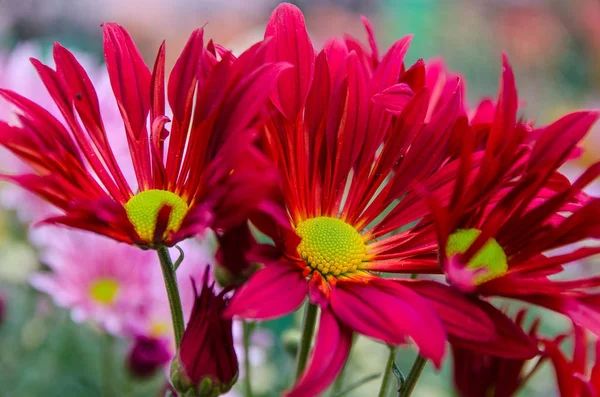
94	277
116	285
120	288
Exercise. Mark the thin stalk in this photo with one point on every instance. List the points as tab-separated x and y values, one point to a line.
107	366
413	376
170	278
385	382
308	329
247	329
339	382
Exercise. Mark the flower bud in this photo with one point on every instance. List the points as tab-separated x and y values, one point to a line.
147	356
234	267
206	364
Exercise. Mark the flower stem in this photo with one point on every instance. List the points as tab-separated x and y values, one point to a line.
107	365
339	382
413	376
385	382
247	329
308	329
170	278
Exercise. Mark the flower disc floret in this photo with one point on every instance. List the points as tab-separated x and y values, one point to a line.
330	245
104	290
142	211
491	256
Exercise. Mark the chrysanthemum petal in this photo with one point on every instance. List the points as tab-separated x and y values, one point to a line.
329	355
461	315
130	80
291	44
260	297
390	312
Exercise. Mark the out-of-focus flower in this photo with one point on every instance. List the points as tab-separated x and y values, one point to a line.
352	135
508	208
97	278
574	376
211	174
17	74
147	355
120	287
206	364
116	285
478	374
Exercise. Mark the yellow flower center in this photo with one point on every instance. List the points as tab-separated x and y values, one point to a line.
159	329
104	290
142	211
491	256
330	245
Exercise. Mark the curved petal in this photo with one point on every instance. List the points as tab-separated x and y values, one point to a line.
271	292
389	311
461	315
290	43
511	342
331	351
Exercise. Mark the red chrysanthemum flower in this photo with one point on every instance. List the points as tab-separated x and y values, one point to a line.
353	135
210	175
499	221
206	363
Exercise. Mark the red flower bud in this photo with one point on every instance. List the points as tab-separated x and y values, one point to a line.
206	364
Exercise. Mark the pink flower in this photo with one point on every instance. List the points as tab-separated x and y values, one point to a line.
116	285
94	277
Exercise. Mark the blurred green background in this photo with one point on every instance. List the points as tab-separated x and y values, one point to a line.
554	46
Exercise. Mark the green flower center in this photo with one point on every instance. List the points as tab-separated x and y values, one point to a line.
142	211
491	256
330	245
104	290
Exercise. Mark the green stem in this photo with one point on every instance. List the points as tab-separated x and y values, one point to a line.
339	382
308	329
413	376
107	365
385	382
247	329
172	292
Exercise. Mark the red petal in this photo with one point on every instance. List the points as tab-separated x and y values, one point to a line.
568	385
181	88
130	80
558	140
371	36
291	44
271	292
129	76
329	355
388	311
84	97
461	315
394	98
